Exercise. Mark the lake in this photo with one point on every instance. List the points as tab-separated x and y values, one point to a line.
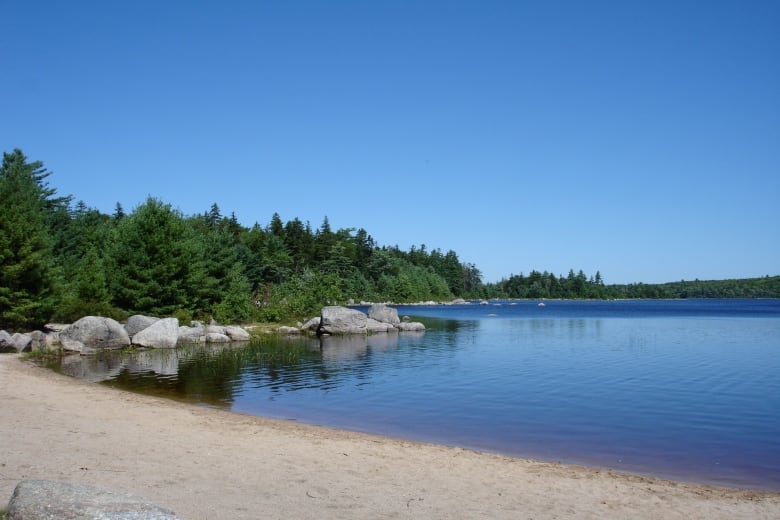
683	389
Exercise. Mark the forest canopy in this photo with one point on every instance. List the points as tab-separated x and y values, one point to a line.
61	260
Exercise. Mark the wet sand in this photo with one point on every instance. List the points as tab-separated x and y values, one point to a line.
212	464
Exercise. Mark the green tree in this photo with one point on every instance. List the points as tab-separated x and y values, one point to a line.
324	240
452	271
276	227
119	212
152	256
87	293
236	304
276	264
472	280
27	204
213	216
300	243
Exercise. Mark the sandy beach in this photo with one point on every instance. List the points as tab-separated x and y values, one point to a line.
211	464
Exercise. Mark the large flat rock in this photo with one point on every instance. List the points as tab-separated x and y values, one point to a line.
47	499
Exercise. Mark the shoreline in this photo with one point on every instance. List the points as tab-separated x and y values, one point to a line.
210	463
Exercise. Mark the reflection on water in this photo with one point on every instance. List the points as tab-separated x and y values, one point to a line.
676	391
210	374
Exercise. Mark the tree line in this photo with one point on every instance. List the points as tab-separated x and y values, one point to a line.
61	260
577	286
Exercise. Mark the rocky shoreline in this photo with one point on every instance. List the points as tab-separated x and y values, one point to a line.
92	334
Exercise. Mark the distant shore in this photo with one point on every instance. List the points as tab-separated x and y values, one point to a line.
207	463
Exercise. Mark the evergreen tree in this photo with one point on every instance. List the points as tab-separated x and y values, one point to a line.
119	212
324	240
452	272
153	261
276	263
236	304
213	216
276	227
27	205
300	243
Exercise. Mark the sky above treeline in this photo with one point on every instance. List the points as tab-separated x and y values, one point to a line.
638	139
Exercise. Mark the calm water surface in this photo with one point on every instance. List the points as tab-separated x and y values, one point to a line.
686	389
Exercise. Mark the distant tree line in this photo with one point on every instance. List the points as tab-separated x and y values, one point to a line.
547	285
764	287
579	286
60	261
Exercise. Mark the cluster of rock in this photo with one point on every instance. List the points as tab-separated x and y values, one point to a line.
343	320
26	342
456	301
91	334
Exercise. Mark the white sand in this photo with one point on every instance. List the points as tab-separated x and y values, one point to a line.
211	464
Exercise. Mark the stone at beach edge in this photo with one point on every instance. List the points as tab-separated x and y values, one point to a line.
138	322
160	334
46	499
93	333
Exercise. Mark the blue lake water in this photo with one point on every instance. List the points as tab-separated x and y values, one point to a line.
685	389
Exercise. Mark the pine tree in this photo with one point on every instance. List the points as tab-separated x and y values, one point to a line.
152	261
26	267
236	304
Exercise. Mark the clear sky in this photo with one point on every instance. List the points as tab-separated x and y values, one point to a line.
640	139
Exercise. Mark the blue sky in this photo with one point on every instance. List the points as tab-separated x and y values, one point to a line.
640	139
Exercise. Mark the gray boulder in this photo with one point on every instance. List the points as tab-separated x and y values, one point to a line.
312	325
93	333
383	313
216	337
160	334
410	326
236	333
373	325
215	329
196	333
55	327
46	499
22	342
137	323
341	320
6	342
42	342
290	331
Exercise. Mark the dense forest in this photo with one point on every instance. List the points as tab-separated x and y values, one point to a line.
61	260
